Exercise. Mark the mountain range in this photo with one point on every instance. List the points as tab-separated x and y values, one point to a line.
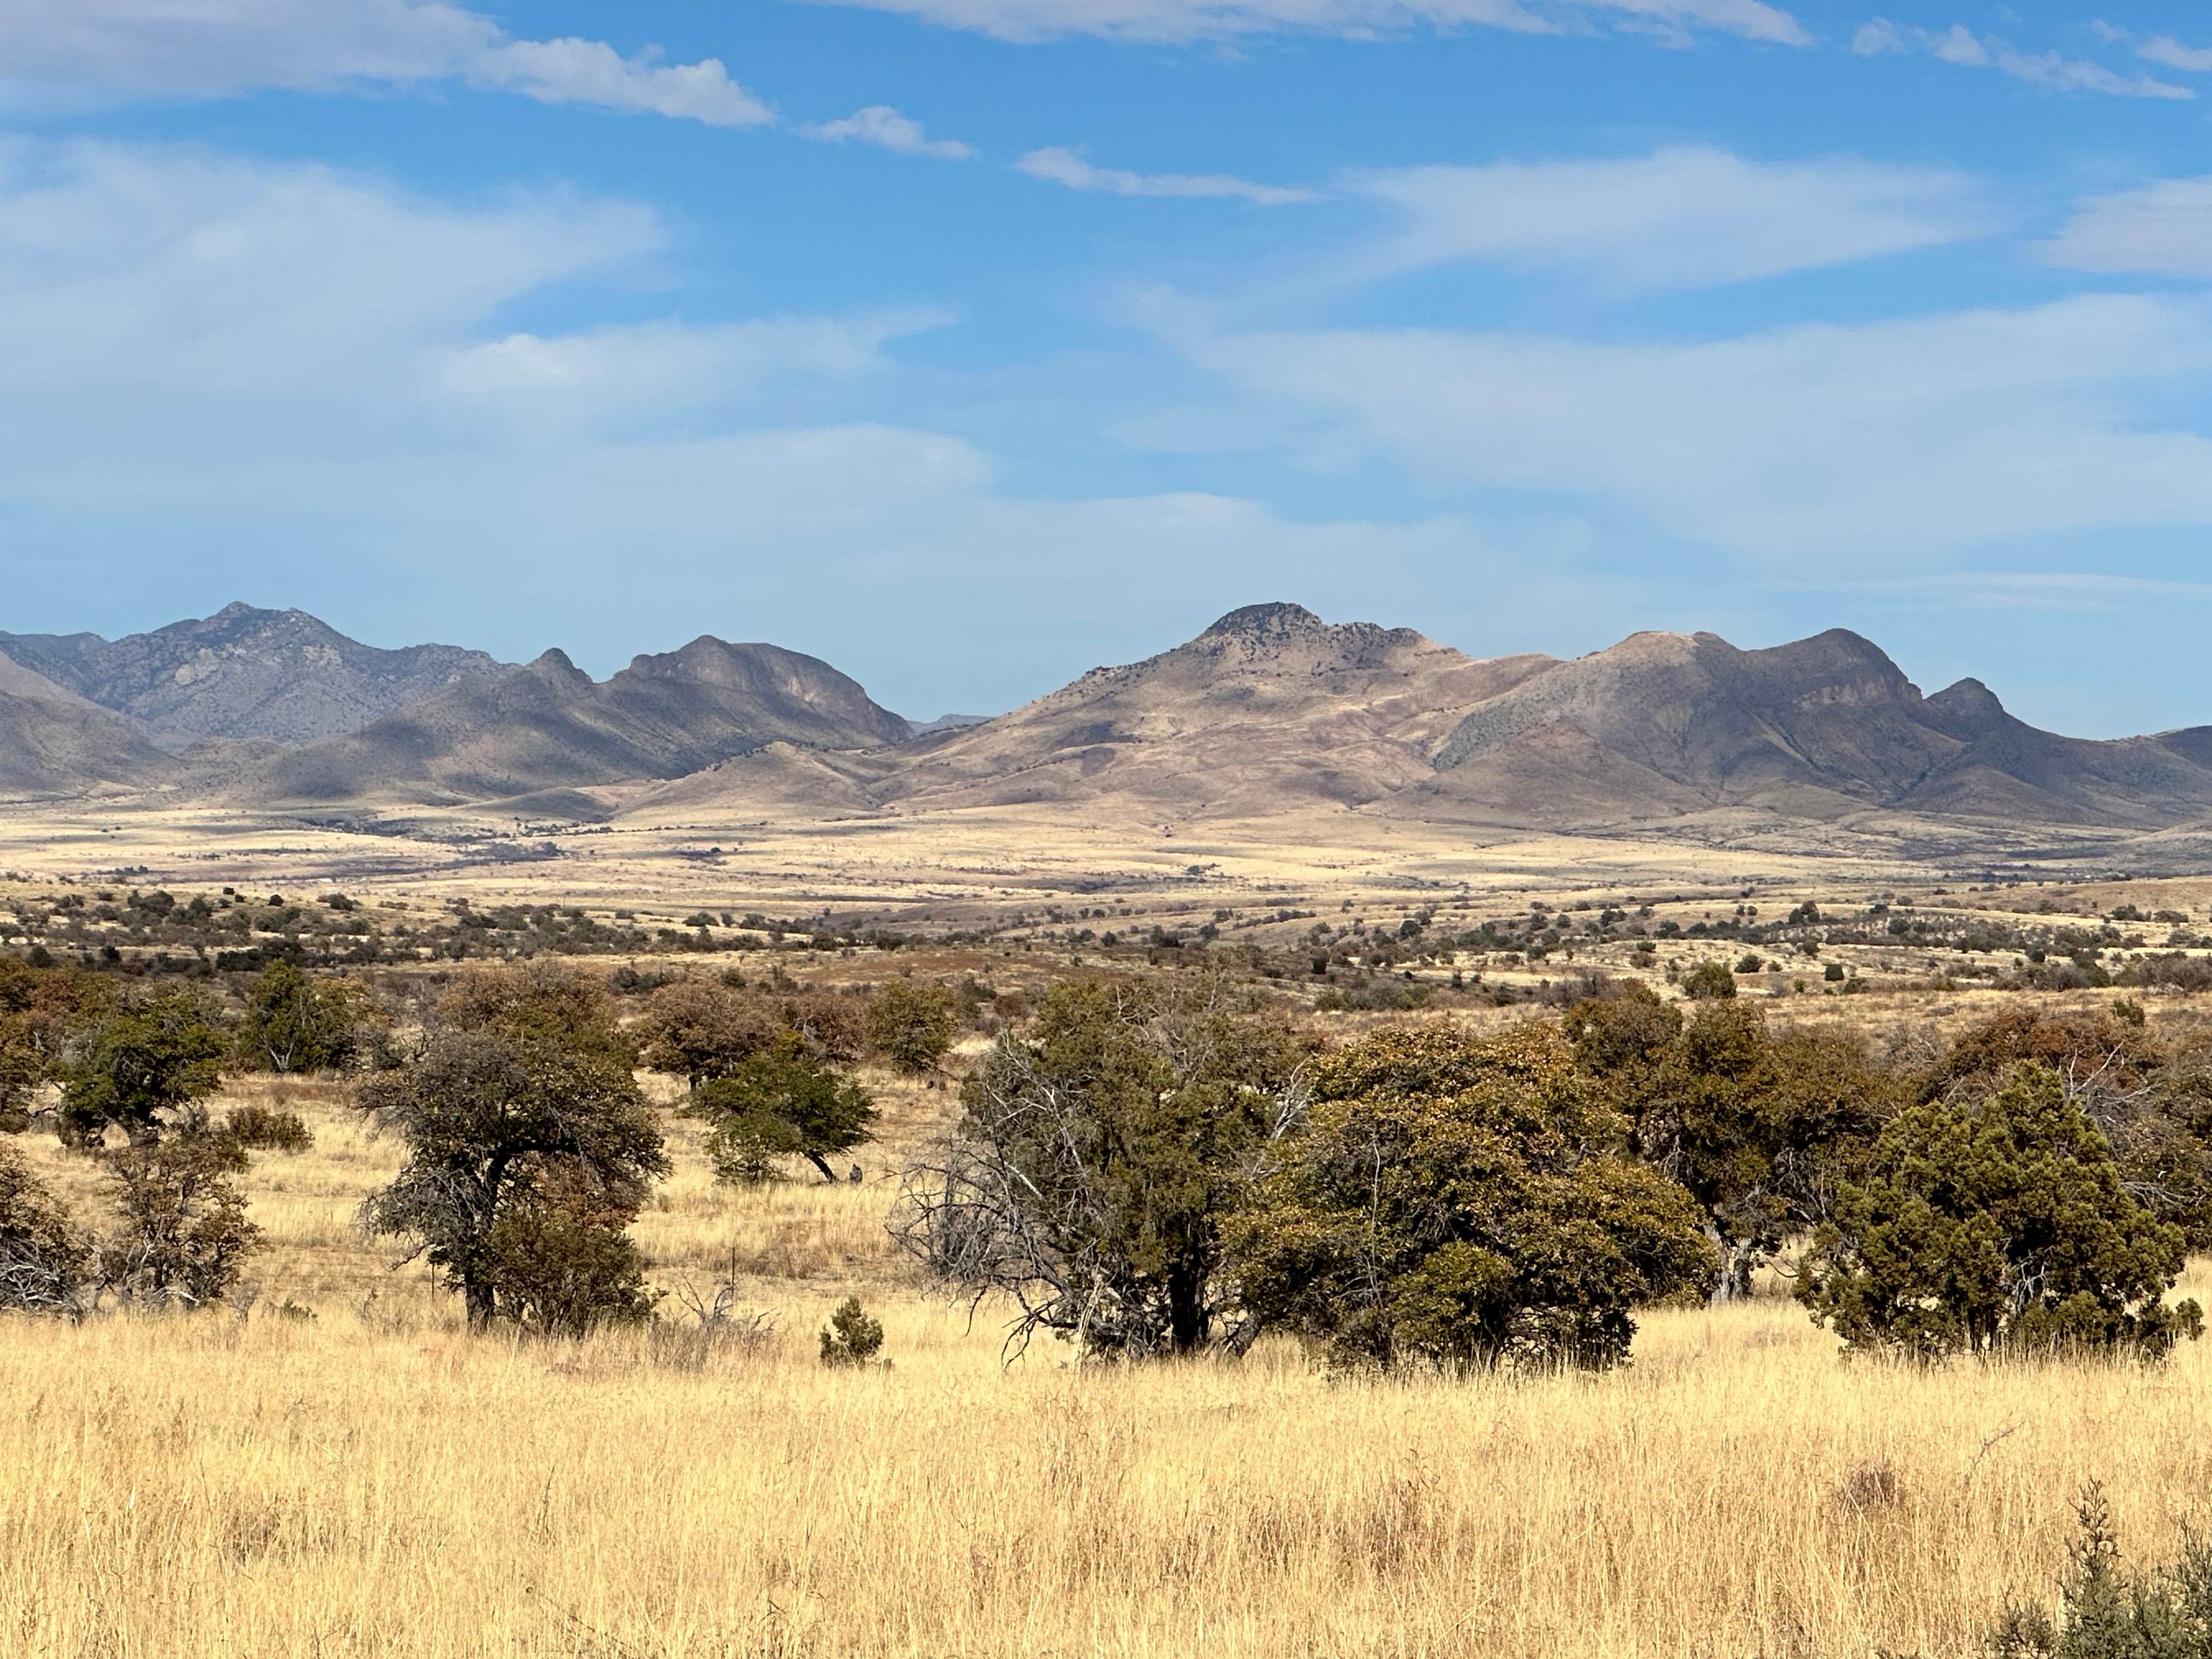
1270	710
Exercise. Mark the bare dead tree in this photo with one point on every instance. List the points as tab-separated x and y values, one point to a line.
1087	1178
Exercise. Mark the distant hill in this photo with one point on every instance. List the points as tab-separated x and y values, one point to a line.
244	673
54	743
549	726
1664	724
1270	709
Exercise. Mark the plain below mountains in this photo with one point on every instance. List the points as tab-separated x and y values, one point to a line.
1270	711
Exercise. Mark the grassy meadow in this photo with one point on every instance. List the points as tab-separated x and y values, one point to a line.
370	1480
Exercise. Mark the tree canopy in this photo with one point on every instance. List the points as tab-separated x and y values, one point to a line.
495	1124
141	1068
1998	1222
781	1103
1460	1201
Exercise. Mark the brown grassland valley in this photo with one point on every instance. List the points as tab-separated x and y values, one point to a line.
335	1467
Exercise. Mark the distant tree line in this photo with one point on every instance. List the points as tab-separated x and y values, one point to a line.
1166	1165
1153	1170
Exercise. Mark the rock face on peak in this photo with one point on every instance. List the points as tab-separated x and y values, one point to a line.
244	673
547	725
1666	724
1261	621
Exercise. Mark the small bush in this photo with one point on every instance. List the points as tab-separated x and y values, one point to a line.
263	1129
184	1237
2107	1612
911	1026
723	1327
44	1261
1707	981
559	1270
851	1337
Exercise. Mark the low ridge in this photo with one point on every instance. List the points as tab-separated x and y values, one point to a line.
244	673
549	726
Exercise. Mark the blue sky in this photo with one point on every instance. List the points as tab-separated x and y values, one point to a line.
969	343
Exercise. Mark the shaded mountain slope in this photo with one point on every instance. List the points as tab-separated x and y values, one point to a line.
55	743
1665	724
549	726
244	673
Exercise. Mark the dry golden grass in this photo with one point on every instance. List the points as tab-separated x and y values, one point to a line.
372	1481
390	1486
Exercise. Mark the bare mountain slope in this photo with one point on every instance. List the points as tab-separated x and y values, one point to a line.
1269	709
54	743
244	673
1665	724
549	726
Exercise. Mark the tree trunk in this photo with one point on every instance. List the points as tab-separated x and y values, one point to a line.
482	1303
823	1164
1187	1319
1733	1283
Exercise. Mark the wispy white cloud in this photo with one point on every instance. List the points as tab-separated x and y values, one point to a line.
1185	22
664	368
2165	49
887	129
2060	590
593	73
241	354
1960	45
1882	440
213	47
1684	217
1064	167
2163	228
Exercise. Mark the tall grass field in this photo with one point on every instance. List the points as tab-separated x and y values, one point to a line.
343	1471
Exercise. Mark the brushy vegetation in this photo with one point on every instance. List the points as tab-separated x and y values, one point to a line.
1479	1223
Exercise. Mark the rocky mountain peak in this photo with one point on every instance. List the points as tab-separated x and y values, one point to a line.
1265	621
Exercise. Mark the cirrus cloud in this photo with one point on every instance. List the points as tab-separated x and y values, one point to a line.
214	48
1065	166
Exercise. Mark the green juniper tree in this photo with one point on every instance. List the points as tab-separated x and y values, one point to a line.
2002	1222
781	1103
1457	1201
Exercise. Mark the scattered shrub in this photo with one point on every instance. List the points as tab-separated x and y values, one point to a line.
781	1103
43	1262
912	1025
559	1268
295	1024
851	1337
2106	1611
1708	981
142	1069
1457	1201
263	1129
183	1237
